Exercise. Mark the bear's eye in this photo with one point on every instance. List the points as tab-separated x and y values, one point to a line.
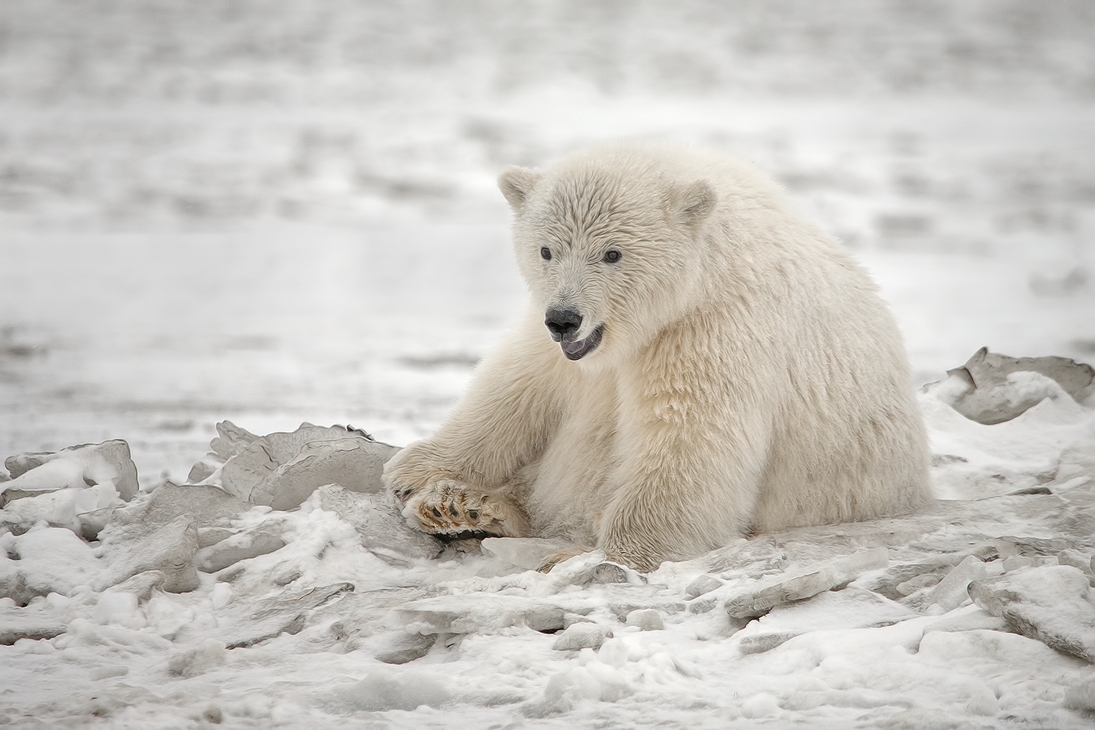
545	253
612	256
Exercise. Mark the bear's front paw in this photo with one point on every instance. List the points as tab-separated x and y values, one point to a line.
447	507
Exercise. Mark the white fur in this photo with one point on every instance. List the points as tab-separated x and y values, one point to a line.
749	378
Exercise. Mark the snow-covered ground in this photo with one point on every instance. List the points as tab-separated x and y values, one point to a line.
274	212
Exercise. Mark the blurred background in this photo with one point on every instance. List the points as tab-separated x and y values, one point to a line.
275	211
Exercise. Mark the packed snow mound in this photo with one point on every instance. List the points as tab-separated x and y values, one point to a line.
283	587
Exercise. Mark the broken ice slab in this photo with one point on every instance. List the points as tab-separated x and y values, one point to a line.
203	505
77	467
282	469
378	523
851	608
950	593
159	531
263	539
169	548
282	446
1052	604
764	595
992	388
43	620
84	511
479	612
285	613
13	628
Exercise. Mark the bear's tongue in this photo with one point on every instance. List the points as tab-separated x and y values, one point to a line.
574	347
578	349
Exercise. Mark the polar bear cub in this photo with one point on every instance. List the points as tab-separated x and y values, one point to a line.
696	363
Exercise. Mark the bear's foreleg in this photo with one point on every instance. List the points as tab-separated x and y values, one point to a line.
692	450
468	466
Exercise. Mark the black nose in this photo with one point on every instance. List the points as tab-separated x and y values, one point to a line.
563	324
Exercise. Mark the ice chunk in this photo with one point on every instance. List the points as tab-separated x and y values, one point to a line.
647	619
23	623
582	636
46	560
230	441
992	388
591	567
202	505
80	510
701	585
283	469
263	539
288	613
529	553
1051	604
851	608
905	579
950	593
400	647
764	595
353	463
378	522
168	548
76	467
142	584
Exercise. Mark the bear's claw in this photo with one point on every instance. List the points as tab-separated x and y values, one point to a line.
447	507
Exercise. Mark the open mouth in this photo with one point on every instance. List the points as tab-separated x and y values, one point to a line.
577	349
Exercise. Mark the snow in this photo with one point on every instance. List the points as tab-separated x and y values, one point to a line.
272	213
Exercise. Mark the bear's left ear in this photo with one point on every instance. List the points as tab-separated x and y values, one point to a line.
692	203
517	183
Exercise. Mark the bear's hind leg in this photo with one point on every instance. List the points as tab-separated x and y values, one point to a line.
447	507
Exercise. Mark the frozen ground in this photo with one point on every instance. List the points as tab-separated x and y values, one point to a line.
276	212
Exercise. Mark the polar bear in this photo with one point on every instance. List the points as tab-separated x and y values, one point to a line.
697	362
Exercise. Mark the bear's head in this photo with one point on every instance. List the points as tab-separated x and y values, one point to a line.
611	245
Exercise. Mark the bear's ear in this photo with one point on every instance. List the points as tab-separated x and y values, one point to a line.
694	202
517	183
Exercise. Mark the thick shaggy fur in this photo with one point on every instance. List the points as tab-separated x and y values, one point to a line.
749	377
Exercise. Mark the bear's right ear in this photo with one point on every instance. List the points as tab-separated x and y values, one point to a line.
517	183
694	202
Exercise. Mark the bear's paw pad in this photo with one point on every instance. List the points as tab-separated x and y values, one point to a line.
447	507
